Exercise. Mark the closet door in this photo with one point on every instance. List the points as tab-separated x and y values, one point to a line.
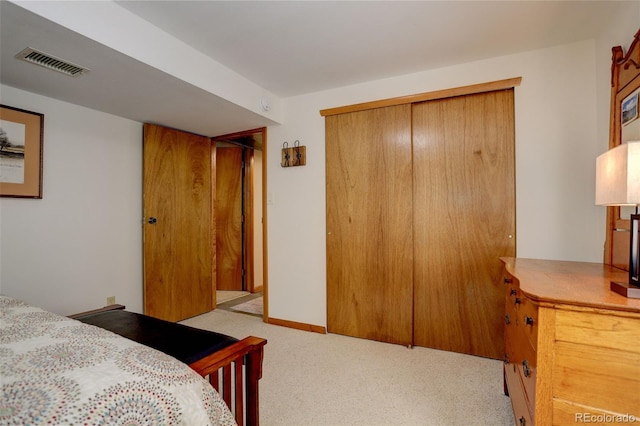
464	220
369	224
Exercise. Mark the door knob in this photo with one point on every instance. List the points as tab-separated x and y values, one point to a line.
152	221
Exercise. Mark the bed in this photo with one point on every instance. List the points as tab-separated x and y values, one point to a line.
58	370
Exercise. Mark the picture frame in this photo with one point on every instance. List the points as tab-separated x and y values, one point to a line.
630	109
21	143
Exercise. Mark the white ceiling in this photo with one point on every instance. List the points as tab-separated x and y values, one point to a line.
288	48
291	48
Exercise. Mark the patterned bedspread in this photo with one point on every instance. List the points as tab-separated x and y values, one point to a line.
55	370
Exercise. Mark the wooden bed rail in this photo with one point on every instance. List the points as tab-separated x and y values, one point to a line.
247	353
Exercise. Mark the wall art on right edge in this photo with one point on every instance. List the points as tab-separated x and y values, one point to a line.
630	109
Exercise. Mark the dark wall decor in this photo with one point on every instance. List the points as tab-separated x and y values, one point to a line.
21	139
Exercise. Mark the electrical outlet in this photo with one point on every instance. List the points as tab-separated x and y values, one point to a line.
111	300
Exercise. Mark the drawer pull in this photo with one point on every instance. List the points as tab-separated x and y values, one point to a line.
517	301
526	369
508	280
528	320
507	319
513	292
522	421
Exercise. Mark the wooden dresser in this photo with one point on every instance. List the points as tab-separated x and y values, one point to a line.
572	346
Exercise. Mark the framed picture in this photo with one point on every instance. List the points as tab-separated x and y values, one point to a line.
630	109
21	138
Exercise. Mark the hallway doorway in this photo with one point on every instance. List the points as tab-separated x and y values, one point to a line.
241	219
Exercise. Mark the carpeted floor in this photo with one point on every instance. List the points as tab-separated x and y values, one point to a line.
333	380
253	306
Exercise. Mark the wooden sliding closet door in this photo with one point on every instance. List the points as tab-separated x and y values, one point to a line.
369	225
464	220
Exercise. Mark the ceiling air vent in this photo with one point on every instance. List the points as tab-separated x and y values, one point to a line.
51	62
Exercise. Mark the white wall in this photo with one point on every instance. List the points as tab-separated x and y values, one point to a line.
558	137
83	241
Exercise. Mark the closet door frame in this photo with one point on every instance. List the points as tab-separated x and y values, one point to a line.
427	96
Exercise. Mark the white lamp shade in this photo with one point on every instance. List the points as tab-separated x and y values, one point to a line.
618	176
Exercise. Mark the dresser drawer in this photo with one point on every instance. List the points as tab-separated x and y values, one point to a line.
522	409
520	333
517	346
528	319
597	377
516	331
596	329
527	375
512	288
596	352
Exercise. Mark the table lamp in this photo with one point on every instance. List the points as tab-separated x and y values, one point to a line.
618	184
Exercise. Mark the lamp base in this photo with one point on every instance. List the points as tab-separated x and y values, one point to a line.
628	291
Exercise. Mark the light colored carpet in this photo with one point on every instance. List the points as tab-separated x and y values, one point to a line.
334	380
227	295
253	306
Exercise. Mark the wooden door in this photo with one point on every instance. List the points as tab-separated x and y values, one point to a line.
369	226
178	280
229	213
464	220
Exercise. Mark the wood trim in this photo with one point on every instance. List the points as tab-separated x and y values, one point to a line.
249	221
248	351
622	224
218	359
265	245
629	65
428	96
544	371
297	325
214	231
239	134
625	79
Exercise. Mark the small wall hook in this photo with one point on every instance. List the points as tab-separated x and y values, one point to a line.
296	156
285	155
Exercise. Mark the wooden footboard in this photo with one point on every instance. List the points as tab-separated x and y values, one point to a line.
234	370
226	370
